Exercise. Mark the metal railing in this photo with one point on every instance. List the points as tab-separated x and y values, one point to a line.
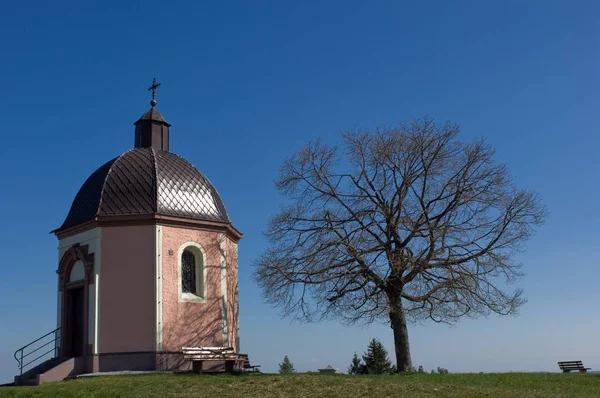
50	338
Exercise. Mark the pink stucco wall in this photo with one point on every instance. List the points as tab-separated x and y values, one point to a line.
127	308
191	324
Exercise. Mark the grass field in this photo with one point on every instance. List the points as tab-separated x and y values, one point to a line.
315	385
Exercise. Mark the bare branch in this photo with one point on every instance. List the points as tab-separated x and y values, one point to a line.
413	224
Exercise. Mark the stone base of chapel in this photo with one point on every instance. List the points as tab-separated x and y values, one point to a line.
59	369
140	361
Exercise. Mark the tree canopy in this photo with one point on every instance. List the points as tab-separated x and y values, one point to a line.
403	224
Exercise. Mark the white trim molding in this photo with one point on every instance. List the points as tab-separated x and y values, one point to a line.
96	293
158	286
201	274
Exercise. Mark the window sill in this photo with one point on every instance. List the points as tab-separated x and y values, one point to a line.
191	298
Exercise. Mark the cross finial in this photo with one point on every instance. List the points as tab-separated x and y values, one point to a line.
153	88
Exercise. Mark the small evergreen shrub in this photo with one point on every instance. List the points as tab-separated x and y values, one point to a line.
286	367
376	359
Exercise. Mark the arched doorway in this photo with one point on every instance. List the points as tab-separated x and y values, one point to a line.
76	275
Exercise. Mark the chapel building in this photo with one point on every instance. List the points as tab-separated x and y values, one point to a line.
147	262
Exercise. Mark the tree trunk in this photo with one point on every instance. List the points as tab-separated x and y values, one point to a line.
398	323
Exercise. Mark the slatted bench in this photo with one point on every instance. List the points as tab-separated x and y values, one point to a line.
568	366
198	355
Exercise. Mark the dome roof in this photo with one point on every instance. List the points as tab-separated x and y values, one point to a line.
145	181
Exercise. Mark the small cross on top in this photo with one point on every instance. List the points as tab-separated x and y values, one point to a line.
153	88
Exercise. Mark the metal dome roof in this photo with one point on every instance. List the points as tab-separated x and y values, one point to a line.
147	181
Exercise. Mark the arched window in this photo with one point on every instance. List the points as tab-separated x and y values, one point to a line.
188	272
77	271
192	273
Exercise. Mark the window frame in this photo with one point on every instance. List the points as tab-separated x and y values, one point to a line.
201	273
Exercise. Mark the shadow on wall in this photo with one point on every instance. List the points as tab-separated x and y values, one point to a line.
234	309
194	325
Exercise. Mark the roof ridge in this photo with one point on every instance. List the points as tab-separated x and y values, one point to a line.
104	182
156	182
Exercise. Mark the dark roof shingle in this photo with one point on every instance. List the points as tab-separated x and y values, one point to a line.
147	181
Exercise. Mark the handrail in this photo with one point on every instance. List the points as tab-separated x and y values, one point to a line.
36	340
37	349
20	353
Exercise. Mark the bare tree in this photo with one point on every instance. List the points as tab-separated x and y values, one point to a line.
412	224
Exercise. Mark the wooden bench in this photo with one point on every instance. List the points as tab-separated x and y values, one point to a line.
198	355
568	366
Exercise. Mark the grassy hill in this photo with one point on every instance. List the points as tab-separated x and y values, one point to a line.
316	385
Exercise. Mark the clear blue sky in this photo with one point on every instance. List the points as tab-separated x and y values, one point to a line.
246	84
